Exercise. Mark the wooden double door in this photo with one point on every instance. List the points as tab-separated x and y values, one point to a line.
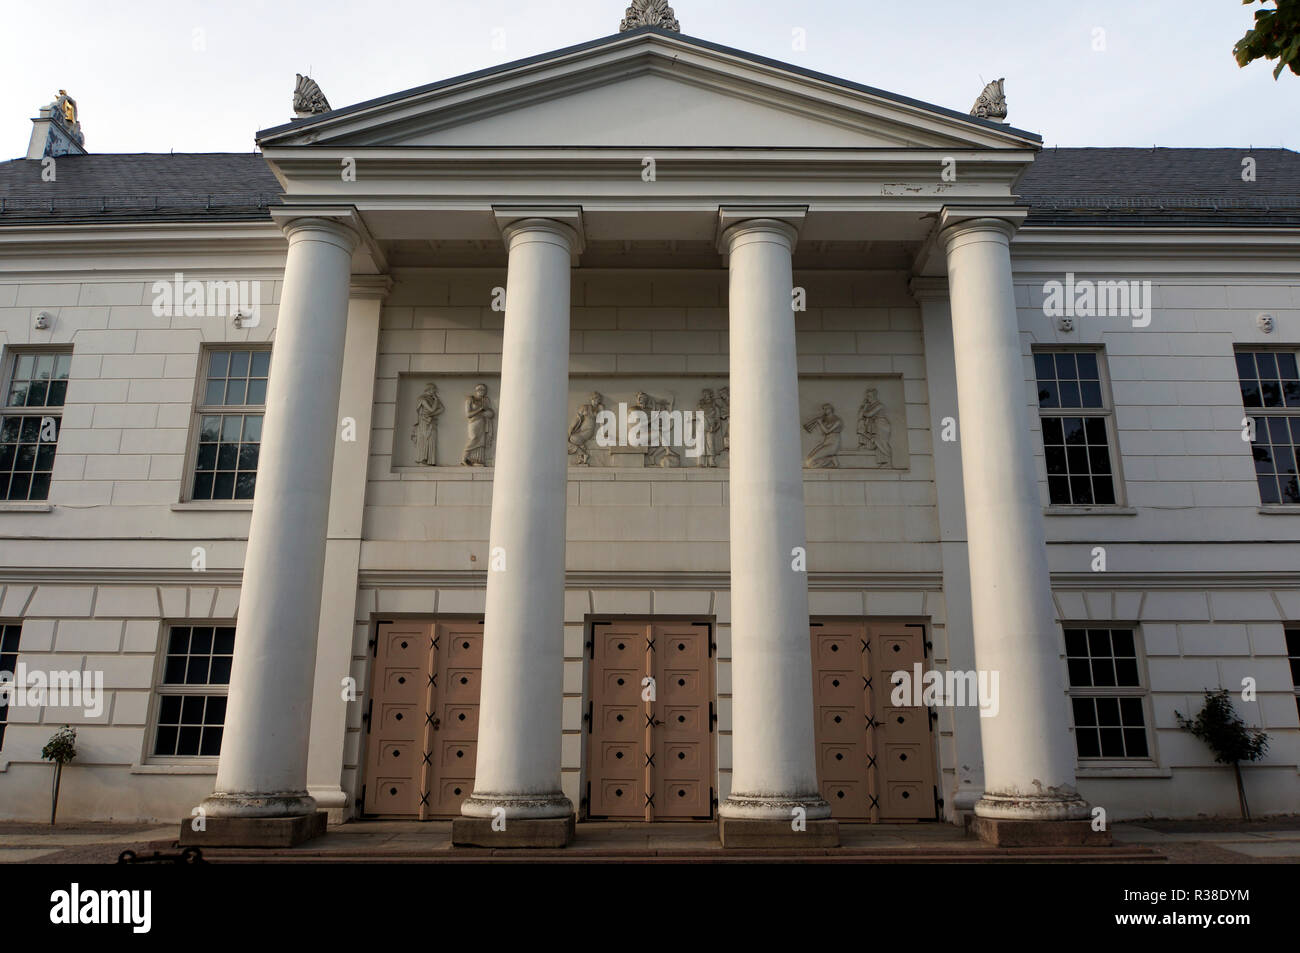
650	721
875	759
422	718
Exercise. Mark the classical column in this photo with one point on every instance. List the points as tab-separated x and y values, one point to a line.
774	797
261	788
1028	752
517	774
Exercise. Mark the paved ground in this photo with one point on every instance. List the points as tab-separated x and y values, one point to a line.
1275	840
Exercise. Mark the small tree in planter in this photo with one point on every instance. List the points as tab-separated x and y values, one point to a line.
61	749
1232	742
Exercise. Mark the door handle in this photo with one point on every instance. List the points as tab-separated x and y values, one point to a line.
437	723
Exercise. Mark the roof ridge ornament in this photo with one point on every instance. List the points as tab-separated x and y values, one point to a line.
649	13
308	100
992	103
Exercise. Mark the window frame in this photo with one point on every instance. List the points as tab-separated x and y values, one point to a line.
199	410
162	688
1255	413
13	671
1106	412
1289	632
1141	691
9	357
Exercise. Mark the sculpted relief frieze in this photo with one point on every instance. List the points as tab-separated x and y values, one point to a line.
652	422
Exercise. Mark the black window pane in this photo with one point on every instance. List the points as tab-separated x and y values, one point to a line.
169	712
1058	489
1245	364
1084	715
1103	674
1076	642
1099	642
166	743
1080	672
1069	393
1065	366
1103	490
1087	362
1052	430
1121	641
1112	743
1135	742
1087	742
1090	393
1131	711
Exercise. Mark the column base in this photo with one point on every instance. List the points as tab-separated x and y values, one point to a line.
743	832
519	832
1010	832
253	831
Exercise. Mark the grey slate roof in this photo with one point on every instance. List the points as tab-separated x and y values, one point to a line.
1063	187
206	186
1159	186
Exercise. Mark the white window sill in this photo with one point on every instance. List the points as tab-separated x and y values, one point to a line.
15	507
1090	511
207	766
210	506
1144	769
1284	509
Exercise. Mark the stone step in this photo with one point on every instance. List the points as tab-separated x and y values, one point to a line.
974	855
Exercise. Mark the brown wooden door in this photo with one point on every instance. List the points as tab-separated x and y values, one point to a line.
423	718
650	755
875	761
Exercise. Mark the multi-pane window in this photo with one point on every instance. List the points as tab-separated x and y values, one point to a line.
231	404
1270	392
35	386
8	664
192	697
1106	693
1293	656
1075	422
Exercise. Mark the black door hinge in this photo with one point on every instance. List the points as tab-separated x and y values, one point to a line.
588	716
370	707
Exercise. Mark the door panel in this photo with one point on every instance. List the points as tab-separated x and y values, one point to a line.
650	755
423	718
875	761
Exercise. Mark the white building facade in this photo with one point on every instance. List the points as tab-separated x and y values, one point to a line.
373	534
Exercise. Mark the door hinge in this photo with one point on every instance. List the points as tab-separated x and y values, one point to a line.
365	716
361	801
584	803
712	718
931	717
588	716
938	803
374	647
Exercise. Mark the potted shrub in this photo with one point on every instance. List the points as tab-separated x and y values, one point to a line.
61	749
1231	740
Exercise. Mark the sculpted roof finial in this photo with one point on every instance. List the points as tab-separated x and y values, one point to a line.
308	100
649	13
992	103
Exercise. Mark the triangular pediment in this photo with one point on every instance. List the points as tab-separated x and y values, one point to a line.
644	89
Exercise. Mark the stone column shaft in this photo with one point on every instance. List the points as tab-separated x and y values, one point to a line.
1028	753
519	735
263	766
773	751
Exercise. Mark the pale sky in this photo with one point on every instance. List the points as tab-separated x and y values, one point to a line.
192	76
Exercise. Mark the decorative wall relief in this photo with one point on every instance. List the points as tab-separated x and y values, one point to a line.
874	428
869	432
480	418
826	454
653	421
583	430
425	432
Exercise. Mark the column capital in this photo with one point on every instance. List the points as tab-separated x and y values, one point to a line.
564	222
340	225
735	221
957	220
